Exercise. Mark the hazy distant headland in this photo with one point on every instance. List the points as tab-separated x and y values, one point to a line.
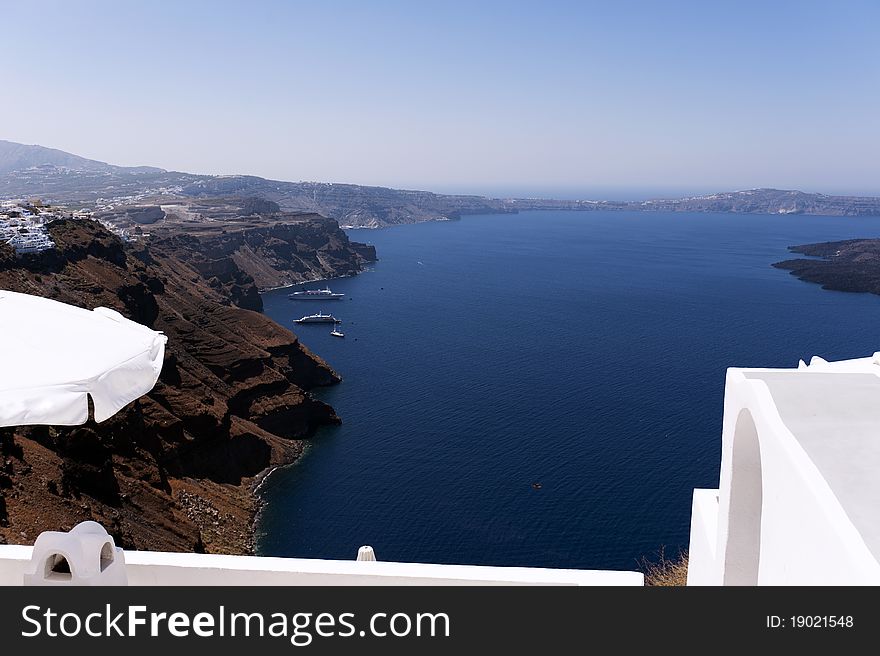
59	177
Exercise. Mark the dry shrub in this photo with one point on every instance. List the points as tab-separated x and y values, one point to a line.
665	571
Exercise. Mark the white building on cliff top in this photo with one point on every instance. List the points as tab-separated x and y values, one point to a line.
799	496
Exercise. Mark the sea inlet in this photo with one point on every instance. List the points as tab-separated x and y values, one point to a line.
545	389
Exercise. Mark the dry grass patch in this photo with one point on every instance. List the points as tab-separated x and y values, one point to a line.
665	571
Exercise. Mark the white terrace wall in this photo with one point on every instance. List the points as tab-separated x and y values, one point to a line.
159	568
777	521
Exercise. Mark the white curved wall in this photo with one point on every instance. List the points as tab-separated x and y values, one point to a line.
742	551
777	521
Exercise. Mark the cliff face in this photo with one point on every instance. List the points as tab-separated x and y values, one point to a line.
351	205
279	249
172	471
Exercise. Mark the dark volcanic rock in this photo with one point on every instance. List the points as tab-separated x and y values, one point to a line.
173	470
135	214
255	205
274	251
145	215
848	266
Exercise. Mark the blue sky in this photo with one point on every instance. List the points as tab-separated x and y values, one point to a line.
493	97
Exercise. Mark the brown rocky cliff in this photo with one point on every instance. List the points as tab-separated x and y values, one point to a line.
174	470
276	249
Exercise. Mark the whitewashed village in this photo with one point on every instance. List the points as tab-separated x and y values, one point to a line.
23	224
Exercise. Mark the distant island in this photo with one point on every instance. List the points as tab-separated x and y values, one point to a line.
852	265
59	177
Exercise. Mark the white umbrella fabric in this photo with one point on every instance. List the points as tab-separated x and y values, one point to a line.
53	356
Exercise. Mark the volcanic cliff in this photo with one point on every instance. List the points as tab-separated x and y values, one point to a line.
174	470
276	249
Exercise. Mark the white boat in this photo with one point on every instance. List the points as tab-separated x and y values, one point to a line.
315	295
337	333
318	318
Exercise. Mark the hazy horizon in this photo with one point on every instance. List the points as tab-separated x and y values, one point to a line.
564	99
621	193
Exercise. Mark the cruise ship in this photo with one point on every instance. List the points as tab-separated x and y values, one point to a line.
315	295
318	318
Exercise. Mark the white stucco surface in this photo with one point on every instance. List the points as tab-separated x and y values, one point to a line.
160	568
799	488
702	554
835	417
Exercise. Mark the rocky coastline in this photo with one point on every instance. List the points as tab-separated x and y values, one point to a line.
848	266
176	470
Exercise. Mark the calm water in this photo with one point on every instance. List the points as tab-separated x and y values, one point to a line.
585	352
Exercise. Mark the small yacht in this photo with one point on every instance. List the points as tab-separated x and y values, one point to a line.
314	295
318	318
336	332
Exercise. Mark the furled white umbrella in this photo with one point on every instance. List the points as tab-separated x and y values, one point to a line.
53	356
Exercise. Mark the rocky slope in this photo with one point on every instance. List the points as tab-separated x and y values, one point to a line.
351	205
174	470
848	266
275	248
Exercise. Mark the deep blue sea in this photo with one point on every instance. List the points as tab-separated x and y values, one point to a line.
581	351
